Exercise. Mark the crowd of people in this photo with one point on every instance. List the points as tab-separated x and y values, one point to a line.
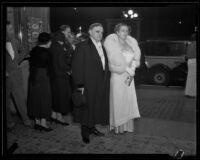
60	64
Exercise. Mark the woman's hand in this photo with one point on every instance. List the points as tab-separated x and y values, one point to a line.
130	71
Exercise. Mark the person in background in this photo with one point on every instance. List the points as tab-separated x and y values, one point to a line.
70	47
82	37
14	81
190	89
72	40
69	42
124	57
61	67
39	98
91	75
69	36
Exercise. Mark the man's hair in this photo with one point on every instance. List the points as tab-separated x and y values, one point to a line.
63	27
95	25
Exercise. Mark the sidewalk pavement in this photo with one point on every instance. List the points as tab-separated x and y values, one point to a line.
167	123
166	112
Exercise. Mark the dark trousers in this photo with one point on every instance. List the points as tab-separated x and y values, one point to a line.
14	87
85	131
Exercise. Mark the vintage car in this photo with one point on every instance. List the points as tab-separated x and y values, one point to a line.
165	61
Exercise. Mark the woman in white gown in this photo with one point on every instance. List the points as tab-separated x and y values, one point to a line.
124	56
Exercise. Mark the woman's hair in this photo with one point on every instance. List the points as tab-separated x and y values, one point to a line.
44	38
63	27
59	36
119	25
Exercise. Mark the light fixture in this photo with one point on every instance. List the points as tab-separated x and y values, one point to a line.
132	16
135	15
130	12
126	15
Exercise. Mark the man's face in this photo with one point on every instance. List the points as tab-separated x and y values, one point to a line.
96	33
10	30
67	32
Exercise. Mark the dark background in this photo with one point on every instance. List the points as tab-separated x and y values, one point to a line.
162	22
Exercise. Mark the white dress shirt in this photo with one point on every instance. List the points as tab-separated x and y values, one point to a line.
99	48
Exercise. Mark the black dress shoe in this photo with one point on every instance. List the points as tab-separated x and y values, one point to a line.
86	140
59	122
96	132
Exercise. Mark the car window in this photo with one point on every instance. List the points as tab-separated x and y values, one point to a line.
163	48
177	49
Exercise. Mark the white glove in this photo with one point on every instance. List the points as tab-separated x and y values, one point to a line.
81	89
130	71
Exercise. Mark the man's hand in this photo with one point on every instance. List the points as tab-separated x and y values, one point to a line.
81	89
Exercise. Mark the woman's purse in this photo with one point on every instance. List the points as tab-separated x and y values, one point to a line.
78	98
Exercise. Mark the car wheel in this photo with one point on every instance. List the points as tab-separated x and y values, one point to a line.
159	76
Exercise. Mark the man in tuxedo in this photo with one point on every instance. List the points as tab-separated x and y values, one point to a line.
91	75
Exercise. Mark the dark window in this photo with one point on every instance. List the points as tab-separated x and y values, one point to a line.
163	48
177	49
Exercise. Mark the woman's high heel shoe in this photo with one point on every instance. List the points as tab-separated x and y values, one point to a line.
59	122
42	128
46	129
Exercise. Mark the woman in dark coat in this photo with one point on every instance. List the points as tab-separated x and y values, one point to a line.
61	61
40	99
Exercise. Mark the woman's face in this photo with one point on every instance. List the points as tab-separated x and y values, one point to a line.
67	32
10	30
123	32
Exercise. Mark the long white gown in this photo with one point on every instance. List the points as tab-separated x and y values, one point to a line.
123	100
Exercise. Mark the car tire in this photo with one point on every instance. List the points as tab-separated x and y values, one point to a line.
159	76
